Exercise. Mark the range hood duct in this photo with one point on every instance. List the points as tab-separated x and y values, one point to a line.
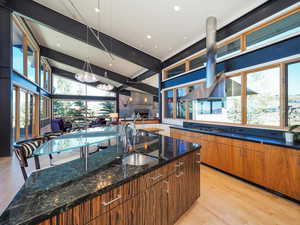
214	87
211	49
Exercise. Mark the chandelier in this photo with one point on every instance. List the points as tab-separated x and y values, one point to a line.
86	76
105	87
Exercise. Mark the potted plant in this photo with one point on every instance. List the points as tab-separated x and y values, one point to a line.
291	135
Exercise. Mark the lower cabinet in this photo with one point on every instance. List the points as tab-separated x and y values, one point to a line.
276	168
157	198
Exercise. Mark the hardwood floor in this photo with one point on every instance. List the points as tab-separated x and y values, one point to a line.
224	200
228	201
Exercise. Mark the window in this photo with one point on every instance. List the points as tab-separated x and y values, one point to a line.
23	112
169	104
42	76
45	105
181	104
31	63
64	86
175	71
226	110
45	75
198	62
229	49
76	109
263	97
14	102
276	30
293	93
18	56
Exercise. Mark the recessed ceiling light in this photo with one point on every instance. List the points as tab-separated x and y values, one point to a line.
58	44
149	36
155	46
97	10
176	8
110	65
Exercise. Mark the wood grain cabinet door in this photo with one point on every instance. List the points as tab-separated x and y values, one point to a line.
151	205
174	198
278	170
294	162
237	160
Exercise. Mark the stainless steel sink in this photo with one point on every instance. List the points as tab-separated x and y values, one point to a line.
137	159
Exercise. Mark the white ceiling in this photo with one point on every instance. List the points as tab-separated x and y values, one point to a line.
132	20
78	49
153	81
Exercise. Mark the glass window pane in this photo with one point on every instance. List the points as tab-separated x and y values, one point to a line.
22	114
30	114
263	97
220	110
66	86
47	79
282	28
168	104
31	64
229	49
42	76
14	114
100	108
180	103
18	57
198	62
293	94
175	71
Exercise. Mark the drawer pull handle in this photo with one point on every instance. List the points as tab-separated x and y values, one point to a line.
112	201
177	165
180	174
181	163
156	178
198	162
167	183
198	153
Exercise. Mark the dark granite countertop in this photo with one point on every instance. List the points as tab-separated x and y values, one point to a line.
55	189
253	138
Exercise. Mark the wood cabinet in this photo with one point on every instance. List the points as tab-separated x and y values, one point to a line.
157	198
276	168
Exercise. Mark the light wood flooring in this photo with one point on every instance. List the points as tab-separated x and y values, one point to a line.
224	200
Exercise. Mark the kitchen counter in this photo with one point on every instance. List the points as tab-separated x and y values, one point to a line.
258	139
53	190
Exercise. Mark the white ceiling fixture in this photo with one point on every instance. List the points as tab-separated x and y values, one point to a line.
97	10
176	8
149	36
105	87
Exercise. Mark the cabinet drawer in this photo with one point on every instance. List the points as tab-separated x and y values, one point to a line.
105	202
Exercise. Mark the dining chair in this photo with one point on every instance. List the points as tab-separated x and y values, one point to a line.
24	150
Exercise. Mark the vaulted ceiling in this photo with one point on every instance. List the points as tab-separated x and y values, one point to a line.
158	28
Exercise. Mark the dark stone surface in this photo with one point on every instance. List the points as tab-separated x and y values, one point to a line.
264	136
53	190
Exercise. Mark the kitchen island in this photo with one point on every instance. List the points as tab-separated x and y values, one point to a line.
153	182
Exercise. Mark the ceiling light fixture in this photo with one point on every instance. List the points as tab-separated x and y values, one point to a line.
176	8
149	36
105	87
86	76
97	10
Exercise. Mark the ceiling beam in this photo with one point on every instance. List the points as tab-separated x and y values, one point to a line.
77	63
63	24
71	76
